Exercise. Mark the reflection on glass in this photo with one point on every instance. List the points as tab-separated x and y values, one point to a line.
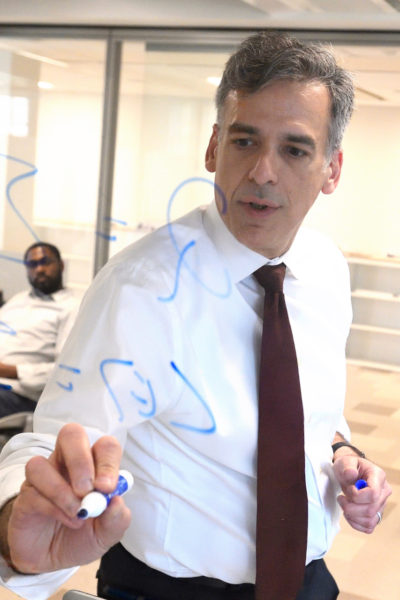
51	98
165	117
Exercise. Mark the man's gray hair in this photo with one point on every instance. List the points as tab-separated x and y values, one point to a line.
267	56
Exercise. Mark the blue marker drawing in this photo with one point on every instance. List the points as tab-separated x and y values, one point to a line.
142	400
178	269
107	236
68	387
113	361
7	328
361	484
12	258
32	171
213	426
119	221
182	252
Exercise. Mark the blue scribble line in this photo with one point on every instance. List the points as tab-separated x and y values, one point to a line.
107	236
181	253
18	260
213	427
114	361
8	329
119	221
152	411
32	171
178	269
68	368
69	386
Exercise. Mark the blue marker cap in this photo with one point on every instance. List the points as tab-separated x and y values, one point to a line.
361	484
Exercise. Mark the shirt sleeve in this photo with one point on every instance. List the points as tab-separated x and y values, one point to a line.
32	377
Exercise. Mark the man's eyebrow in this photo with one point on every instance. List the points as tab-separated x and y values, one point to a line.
306	140
239	127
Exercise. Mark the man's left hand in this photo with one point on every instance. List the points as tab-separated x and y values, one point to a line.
363	509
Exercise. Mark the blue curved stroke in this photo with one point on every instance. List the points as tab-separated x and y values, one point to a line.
32	171
181	261
213	425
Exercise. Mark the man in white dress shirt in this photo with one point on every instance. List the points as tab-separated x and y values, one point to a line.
163	362
33	327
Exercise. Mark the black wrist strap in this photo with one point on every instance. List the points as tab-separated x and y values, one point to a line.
341	444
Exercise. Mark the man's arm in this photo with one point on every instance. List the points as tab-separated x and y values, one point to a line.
8	371
39	529
360	507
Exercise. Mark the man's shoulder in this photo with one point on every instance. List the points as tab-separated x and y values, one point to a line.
69	298
162	248
314	243
18	298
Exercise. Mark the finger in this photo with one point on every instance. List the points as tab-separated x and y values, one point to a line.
363	527
365	524
363	517
31	504
107	453
73	458
49	484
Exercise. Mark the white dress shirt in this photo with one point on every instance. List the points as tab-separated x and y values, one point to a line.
33	328
164	355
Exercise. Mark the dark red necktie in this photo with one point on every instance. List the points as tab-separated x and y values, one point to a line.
281	489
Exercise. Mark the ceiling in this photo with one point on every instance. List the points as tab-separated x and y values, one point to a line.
314	14
376	67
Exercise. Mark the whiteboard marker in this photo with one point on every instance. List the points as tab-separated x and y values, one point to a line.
95	503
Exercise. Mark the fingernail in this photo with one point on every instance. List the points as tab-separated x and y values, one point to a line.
104	482
84	485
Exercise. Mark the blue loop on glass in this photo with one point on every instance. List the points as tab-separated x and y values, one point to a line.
32	171
182	252
7	328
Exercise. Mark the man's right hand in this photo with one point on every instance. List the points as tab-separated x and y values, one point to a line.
44	533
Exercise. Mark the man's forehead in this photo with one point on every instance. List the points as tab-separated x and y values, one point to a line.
38	252
238	98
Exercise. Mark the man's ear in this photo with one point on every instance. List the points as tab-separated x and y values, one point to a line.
211	152
333	173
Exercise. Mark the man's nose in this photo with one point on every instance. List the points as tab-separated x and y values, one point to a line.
39	268
264	169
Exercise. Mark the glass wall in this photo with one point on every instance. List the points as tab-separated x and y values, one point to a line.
165	118
54	135
51	99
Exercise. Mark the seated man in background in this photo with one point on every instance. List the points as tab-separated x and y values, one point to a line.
33	327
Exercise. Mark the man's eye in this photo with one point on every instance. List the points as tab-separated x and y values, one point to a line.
242	142
296	152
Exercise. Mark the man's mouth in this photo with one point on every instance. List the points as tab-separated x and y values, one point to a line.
258	206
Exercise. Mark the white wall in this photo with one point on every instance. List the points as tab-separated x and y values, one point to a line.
363	214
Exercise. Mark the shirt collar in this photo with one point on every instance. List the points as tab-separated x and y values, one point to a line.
47	297
240	260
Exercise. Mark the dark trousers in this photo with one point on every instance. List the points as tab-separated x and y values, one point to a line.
122	577
11	403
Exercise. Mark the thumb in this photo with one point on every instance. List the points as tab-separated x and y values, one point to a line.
111	525
346	469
